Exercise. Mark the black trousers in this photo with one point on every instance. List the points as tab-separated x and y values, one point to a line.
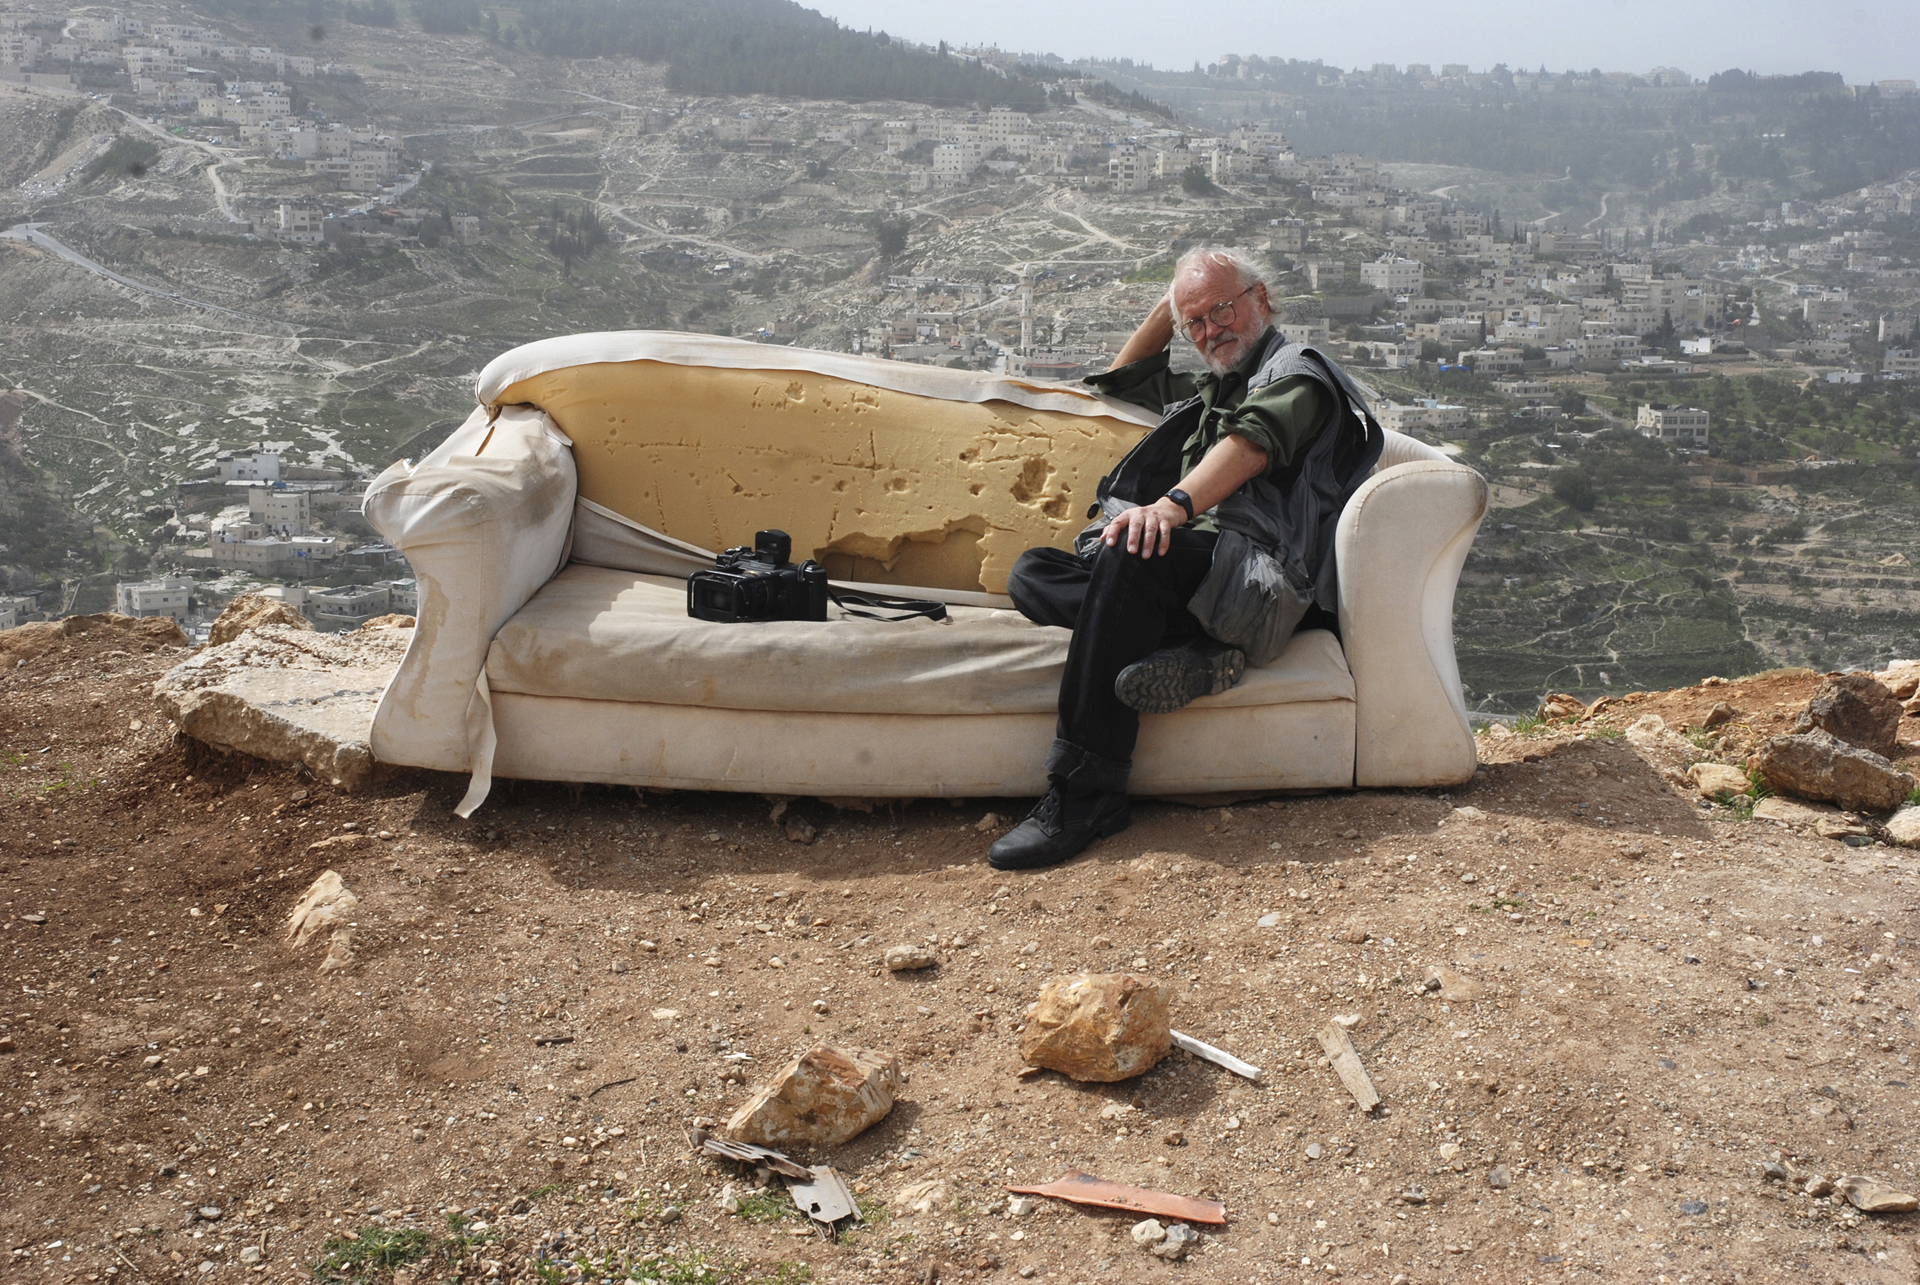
1121	608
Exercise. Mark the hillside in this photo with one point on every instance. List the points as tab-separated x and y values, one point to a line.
1638	1001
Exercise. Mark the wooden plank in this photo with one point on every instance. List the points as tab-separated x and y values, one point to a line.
1346	1064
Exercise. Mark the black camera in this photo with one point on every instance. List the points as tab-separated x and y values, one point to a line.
760	583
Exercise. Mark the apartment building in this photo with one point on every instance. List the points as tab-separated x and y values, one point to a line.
1394	275
1426	415
1681	425
167	596
1129	171
246	466
300	224
280	509
1900	363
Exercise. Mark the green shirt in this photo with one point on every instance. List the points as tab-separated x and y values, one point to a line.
1280	418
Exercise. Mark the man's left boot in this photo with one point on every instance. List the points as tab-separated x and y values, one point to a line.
1175	677
1060	828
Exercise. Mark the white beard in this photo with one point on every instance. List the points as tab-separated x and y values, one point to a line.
1223	359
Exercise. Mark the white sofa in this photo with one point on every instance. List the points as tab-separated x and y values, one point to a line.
551	533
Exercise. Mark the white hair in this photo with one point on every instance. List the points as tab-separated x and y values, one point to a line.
1207	257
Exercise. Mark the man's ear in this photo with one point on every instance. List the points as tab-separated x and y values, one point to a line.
1260	293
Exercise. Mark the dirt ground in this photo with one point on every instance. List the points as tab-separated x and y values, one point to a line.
1669	994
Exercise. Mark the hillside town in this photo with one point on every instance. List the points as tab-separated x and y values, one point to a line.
1021	240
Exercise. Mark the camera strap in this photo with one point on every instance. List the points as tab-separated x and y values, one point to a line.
909	608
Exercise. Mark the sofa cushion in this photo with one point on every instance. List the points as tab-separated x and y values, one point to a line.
595	633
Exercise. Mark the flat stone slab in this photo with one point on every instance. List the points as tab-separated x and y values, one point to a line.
288	696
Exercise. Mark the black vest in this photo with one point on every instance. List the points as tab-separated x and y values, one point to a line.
1275	554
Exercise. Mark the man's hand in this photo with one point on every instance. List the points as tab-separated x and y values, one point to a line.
1152	336
1147	529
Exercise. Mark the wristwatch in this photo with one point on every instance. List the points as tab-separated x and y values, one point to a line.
1182	499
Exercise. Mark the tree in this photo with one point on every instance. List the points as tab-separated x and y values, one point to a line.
1574	489
1194	182
892	234
575	236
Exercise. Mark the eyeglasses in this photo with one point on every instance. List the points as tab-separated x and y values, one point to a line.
1222	316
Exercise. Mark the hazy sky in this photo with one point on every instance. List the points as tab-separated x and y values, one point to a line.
1863	41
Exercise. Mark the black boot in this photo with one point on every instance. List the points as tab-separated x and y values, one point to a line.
1059	828
1175	677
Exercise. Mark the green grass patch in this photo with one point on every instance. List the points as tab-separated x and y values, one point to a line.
363	1257
685	1267
767	1206
461	1234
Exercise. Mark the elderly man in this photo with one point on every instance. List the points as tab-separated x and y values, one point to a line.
1215	542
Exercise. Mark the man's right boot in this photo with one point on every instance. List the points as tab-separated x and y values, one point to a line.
1060	828
1175	677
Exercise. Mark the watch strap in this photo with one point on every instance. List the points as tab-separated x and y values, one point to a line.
1182	499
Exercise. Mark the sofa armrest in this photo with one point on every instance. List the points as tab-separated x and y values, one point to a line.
1400	545
483	521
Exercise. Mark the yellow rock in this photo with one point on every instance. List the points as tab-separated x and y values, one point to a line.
1099	1026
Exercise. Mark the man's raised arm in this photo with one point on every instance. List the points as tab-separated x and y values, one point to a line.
1153	336
1140	373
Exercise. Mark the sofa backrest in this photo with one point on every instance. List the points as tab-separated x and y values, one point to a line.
884	471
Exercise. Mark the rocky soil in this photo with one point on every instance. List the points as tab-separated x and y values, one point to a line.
1641	999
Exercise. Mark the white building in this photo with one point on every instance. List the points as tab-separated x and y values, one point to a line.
1681	425
300	224
279	510
247	466
1392	274
349	604
167	596
1129	171
1425	414
310	555
954	163
16	608
1902	363
1494	361
1527	392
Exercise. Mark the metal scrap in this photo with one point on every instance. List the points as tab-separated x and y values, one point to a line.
748	1153
1219	1057
1085	1189
825	1198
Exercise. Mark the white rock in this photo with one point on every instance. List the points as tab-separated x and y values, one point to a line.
288	696
919	1198
1021	1206
1179	1239
1149	1232
909	958
1648	727
329	906
1903	827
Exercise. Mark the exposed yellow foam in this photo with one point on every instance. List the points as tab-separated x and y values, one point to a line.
878	485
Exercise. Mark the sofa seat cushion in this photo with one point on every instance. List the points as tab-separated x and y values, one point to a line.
595	633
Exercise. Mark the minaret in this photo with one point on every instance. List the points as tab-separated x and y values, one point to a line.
1026	311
